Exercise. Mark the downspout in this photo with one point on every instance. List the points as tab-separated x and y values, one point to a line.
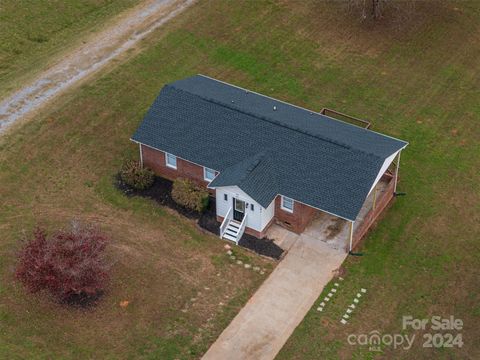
141	155
351	236
396	173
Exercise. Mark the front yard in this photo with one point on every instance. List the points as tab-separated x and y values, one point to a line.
420	85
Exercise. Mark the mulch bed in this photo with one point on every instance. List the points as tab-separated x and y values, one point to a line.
262	246
161	192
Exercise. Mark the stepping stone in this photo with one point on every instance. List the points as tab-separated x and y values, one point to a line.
352	306
232	257
229	252
330	295
359	295
239	262
340	278
363	290
334	290
322	304
336	284
227	247
256	268
327	299
343	321
320	308
345	316
247	266
349	311
355	301
262	272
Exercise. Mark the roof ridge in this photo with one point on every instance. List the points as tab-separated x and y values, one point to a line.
302	108
272	121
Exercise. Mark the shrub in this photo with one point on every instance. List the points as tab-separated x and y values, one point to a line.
186	193
136	176
70	264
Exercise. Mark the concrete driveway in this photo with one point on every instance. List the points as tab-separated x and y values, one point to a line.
268	319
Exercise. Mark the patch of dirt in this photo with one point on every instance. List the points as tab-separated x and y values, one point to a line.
335	228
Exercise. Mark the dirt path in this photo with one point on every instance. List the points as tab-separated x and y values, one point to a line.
97	52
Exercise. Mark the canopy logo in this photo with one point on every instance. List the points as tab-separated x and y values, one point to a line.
374	339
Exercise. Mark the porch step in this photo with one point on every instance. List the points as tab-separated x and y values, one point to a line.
232	230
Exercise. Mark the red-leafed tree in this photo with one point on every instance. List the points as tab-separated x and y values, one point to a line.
70	264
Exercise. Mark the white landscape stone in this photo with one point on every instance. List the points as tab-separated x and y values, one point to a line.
349	311
359	295
336	284
363	290
239	262
352	306
229	252
334	290
322	304
232	257
262	272
330	295
340	278
343	321
247	266
355	301
327	299
320	308
345	316
227	247
256	268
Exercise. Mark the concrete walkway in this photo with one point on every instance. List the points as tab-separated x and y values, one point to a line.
268	319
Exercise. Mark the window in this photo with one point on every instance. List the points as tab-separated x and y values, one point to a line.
171	160
287	204
225	197
208	174
251	207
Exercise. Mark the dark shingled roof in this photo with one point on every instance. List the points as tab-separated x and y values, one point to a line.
265	146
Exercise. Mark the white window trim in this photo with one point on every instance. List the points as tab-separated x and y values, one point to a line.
205	174
170	165
284	208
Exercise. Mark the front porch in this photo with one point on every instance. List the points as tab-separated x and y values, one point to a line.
336	232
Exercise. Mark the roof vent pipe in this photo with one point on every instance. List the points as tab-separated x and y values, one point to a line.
274	108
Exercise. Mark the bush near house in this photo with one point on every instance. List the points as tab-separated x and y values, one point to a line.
186	193
70	264
136	176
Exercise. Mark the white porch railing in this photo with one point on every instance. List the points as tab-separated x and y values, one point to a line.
242	227
225	222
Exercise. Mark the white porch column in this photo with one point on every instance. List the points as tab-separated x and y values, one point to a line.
141	155
351	235
396	173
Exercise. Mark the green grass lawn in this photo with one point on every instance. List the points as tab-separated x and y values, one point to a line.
32	33
419	83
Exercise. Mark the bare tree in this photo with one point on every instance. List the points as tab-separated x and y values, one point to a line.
375	9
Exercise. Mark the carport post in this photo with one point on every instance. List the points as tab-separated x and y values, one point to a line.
351	235
396	173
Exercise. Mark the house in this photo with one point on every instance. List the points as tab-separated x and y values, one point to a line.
264	160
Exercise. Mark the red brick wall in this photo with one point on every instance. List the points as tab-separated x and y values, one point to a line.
298	220
155	160
372	216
